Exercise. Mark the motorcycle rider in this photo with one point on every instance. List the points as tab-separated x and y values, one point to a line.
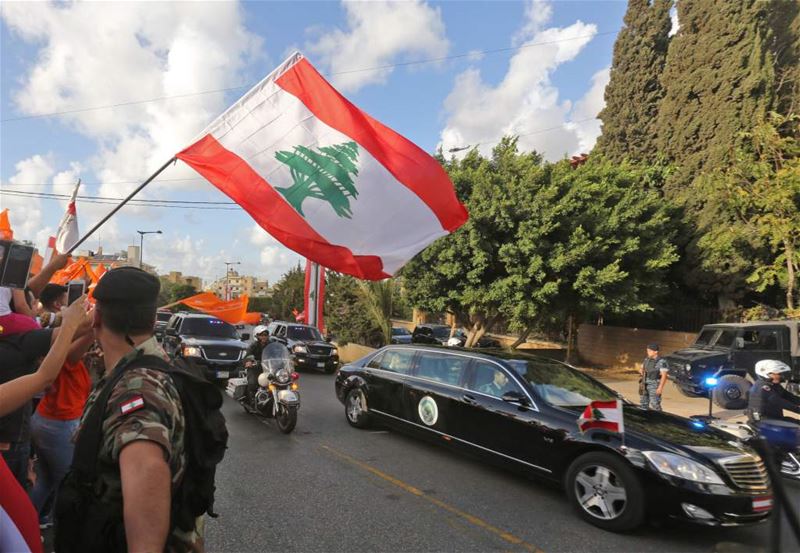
253	365
768	398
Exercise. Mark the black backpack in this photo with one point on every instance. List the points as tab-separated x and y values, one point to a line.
83	523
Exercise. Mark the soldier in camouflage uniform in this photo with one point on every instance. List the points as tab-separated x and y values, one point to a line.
141	459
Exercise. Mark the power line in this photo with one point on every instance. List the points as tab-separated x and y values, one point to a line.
348	71
67	196
140	203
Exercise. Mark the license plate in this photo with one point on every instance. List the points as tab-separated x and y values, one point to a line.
761	504
320	365
222	374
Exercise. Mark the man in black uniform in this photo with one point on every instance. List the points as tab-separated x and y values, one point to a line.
768	398
253	366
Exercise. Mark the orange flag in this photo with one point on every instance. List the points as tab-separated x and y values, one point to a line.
251	318
229	311
5	227
36	263
73	271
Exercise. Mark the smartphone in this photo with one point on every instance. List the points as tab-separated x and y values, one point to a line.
15	263
75	289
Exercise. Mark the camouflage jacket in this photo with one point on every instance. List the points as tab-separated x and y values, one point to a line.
144	405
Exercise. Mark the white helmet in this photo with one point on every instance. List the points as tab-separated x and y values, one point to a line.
770	366
260	329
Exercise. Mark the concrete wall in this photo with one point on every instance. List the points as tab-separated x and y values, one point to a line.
353	352
617	347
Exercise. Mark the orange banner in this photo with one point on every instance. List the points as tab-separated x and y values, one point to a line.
233	311
251	318
74	271
5	226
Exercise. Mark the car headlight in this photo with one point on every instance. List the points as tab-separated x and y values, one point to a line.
334	351
682	467
688	367
192	351
300	349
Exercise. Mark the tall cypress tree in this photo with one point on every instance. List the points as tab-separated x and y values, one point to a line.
634	92
718	80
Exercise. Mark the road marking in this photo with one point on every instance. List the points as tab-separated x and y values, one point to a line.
502	534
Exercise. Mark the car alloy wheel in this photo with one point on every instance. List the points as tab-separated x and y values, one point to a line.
600	493
355	408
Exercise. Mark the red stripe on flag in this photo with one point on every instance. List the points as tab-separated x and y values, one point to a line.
408	163
233	176
605	425
603	404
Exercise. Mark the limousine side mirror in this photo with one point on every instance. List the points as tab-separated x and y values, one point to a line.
515	397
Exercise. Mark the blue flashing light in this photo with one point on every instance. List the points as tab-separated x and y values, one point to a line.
698	424
711	381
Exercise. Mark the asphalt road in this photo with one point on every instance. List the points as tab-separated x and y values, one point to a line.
329	487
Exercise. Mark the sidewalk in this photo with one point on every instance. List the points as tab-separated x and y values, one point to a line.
672	401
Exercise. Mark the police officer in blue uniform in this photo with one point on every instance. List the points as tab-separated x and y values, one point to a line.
768	399
654	377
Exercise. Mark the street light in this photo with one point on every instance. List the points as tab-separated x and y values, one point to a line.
141	242
227	272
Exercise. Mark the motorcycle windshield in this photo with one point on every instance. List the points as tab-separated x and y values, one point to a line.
276	358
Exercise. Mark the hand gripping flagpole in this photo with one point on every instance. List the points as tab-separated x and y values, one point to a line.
120	206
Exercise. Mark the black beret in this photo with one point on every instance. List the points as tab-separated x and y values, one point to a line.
651	347
127	285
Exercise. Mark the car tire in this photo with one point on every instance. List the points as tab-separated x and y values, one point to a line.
617	504
355	409
731	392
687	393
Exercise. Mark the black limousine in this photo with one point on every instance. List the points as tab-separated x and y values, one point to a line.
520	411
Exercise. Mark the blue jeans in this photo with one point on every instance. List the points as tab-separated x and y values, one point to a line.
650	399
52	440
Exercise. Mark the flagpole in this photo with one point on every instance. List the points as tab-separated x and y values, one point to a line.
120	206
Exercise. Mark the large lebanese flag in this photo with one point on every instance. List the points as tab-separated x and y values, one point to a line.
324	178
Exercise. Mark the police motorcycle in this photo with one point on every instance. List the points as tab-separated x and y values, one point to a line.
749	431
276	396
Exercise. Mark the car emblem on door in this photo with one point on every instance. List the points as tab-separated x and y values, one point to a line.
428	410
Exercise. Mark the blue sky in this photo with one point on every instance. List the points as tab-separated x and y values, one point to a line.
64	57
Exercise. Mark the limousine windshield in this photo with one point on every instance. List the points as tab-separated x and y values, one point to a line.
559	384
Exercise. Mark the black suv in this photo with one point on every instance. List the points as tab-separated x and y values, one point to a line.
729	352
306	345
162	318
207	341
436	334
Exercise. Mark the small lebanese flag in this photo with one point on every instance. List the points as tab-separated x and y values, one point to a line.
762	504
48	252
323	177
133	404
68	228
606	415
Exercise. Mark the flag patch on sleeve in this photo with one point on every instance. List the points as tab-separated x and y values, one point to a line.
133	404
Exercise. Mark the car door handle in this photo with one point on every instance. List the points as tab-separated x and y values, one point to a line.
469	399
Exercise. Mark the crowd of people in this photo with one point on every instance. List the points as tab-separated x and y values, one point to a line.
92	425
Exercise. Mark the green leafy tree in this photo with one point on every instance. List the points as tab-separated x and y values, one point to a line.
591	240
634	92
459	274
182	291
346	316
759	195
546	245
376	298
327	173
287	294
719	79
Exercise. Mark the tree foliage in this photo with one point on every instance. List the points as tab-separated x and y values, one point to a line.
718	80
346	315
545	243
287	294
758	196
634	92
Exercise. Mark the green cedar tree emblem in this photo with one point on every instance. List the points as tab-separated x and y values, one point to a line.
325	173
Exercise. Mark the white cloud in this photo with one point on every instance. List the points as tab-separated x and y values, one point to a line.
583	118
25	213
274	258
380	33
673	17
524	102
